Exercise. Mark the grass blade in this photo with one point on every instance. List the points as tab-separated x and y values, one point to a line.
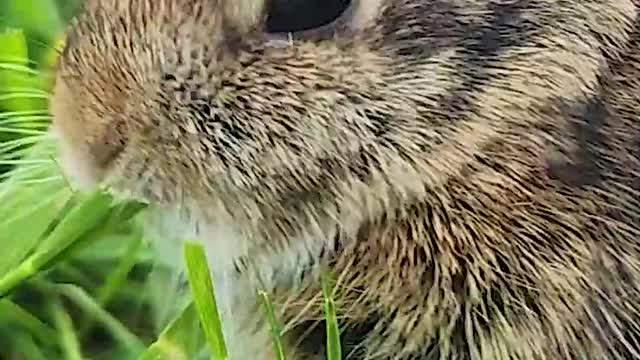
334	351
80	298
11	312
117	215
118	276
27	347
21	234
27	211
66	333
81	219
14	45
204	297
177	340
276	330
116	279
90	213
43	17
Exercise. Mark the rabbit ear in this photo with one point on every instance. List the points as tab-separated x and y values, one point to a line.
244	15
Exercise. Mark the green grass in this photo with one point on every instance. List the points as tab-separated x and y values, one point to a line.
77	279
204	298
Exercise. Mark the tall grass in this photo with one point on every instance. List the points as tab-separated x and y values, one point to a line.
77	279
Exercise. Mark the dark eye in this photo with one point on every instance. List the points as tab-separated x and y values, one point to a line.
291	16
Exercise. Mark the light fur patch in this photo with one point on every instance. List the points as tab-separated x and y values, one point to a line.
236	298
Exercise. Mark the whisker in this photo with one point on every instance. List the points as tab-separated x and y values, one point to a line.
25	66
17	152
34	119
18	60
23	162
25	94
43	180
19	68
21	141
20	131
27	171
21	113
29	126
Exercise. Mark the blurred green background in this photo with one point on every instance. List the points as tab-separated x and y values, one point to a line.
76	277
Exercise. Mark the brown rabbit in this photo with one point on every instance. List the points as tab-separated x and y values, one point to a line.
466	170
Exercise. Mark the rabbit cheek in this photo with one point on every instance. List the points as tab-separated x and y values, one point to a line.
76	164
76	161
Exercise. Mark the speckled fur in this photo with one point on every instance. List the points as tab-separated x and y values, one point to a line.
467	170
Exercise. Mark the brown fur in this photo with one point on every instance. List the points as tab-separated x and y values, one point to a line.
468	170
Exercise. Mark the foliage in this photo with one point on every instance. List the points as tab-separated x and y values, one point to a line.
77	278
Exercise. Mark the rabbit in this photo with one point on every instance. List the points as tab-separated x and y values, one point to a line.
465	172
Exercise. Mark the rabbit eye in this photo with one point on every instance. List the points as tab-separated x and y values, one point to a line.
293	16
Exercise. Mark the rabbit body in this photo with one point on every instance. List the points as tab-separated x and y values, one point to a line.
467	171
